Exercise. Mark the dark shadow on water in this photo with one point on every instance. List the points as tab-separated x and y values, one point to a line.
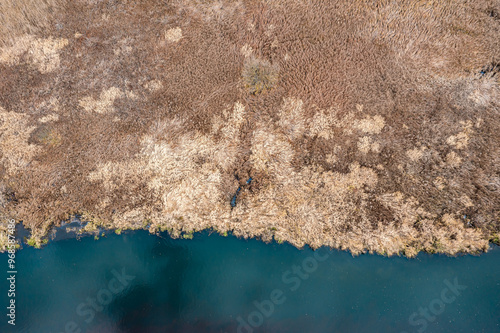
160	299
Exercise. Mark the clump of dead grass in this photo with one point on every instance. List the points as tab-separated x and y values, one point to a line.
45	134
259	75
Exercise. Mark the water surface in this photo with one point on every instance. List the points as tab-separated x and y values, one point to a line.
136	282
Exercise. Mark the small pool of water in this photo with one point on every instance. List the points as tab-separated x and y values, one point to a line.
137	282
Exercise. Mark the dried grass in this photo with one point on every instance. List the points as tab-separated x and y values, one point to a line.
365	125
43	53
19	17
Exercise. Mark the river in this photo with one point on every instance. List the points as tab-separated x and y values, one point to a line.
137	282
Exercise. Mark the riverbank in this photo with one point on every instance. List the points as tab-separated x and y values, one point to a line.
77	228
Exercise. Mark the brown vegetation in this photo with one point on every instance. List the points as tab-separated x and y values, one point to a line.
366	125
19	17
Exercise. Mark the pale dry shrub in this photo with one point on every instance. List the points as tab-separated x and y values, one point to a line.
213	10
271	153
49	118
173	35
431	236
105	102
45	134
292	119
439	182
320	125
43	53
416	154
366	144
461	140
453	159
246	50
153	85
370	125
302	211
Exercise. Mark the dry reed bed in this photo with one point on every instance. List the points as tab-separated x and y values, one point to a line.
366	126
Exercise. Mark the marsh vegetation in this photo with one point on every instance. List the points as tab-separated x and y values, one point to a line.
366	126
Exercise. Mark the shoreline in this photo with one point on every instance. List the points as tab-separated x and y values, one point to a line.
76	229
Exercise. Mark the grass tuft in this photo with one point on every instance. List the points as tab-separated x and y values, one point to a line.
259	76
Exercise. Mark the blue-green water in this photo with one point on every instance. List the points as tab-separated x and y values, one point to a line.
137	282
